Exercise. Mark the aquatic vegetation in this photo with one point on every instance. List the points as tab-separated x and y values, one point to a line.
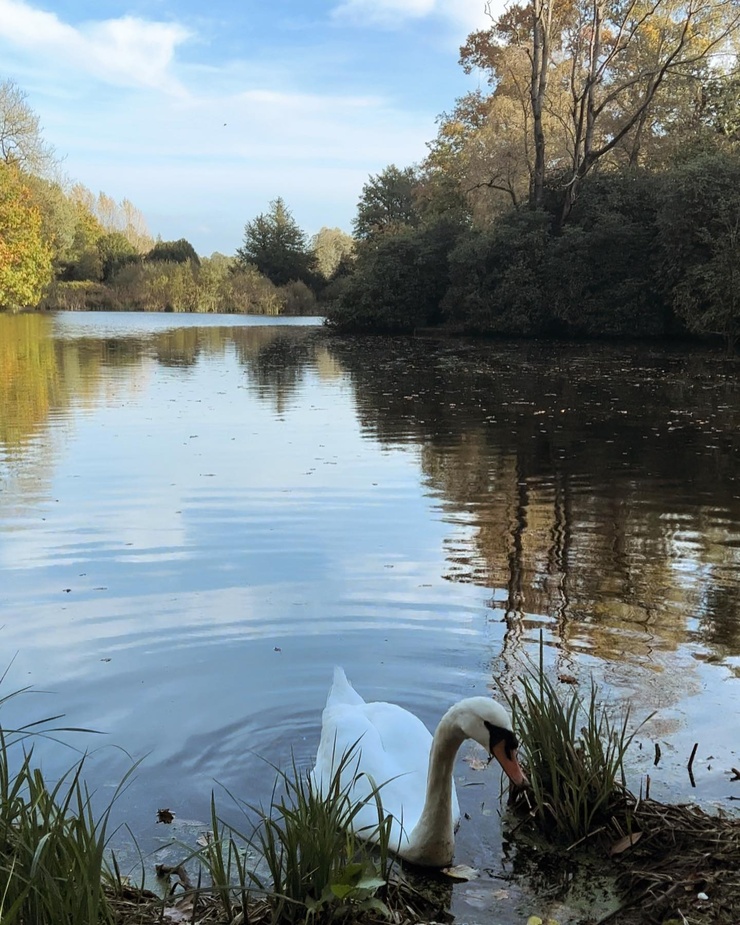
298	860
313	865
53	865
575	749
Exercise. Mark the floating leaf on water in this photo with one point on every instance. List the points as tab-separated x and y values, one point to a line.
165	815
567	679
461	872
624	843
475	763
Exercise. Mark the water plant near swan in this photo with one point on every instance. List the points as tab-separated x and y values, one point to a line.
575	750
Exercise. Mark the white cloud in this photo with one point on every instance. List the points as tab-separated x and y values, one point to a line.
233	131
468	14
472	14
213	162
384	12
128	51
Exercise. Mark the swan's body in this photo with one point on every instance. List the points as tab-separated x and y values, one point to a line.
395	752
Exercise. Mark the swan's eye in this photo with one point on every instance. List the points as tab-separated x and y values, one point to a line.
498	734
511	744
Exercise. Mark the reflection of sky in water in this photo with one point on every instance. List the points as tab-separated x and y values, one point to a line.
200	543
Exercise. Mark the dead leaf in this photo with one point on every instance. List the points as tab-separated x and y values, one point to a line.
178	916
461	872
166	816
478	898
475	763
165	872
204	840
567	679
624	843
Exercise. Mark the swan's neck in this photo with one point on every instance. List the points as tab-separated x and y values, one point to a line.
432	840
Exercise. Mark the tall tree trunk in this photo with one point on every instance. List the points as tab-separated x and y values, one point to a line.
540	58
585	111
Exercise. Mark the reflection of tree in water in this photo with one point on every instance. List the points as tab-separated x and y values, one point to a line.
181	347
40	379
29	377
719	624
276	361
583	479
41	376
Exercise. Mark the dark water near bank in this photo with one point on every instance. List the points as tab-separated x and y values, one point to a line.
200	516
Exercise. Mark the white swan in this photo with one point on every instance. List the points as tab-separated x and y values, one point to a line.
395	752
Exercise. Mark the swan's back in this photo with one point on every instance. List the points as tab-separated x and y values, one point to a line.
391	751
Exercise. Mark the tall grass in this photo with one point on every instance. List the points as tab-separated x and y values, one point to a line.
52	845
313	865
56	869
575	752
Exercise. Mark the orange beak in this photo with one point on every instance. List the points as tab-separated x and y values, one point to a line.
509	763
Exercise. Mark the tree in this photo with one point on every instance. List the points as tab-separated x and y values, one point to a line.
398	284
58	216
275	244
497	283
112	216
597	81
83	261
116	251
25	257
387	203
332	247
180	251
623	56
722	105
21	143
480	155
700	235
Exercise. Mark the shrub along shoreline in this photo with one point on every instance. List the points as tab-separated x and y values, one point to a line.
647	254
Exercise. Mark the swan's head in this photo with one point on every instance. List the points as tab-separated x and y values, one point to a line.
489	723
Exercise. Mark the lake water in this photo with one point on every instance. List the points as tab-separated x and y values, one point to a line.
201	515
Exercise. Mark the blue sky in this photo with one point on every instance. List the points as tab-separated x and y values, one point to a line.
200	114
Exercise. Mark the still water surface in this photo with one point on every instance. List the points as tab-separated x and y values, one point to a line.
200	516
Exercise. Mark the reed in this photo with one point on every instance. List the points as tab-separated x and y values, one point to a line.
53	846
313	865
575	749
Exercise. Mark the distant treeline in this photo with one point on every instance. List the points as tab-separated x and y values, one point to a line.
63	247
589	188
